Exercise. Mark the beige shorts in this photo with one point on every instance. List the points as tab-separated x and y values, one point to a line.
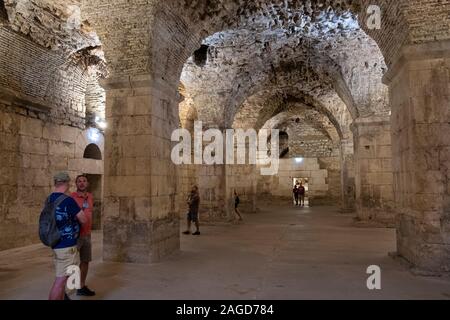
63	259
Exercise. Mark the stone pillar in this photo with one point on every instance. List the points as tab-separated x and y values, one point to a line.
140	219
373	170
347	176
419	85
242	178
212	188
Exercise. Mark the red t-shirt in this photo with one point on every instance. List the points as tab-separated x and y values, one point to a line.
87	205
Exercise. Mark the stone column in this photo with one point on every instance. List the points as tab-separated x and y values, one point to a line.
140	220
212	188
217	184
347	176
373	169
243	179
419	85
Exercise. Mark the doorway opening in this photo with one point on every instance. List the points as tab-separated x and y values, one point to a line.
96	188
305	183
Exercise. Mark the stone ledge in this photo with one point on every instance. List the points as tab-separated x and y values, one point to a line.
138	82
417	52
375	120
21	100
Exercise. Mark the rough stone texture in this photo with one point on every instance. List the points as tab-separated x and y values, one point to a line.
319	193
95	99
420	93
373	164
348	176
31	76
32	151
52	24
243	179
334	181
140	179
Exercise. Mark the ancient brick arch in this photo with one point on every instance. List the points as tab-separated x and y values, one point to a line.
149	47
262	106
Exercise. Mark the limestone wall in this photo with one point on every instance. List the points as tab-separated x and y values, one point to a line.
212	188
306	141
374	177
323	180
31	152
187	177
243	179
419	93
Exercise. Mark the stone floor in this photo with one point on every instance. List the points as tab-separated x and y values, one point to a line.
279	253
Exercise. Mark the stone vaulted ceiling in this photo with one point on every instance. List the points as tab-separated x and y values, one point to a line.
57	25
320	54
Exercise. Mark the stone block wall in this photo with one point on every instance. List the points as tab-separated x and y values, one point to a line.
374	177
31	152
243	179
306	141
141	222
333	167
323	180
187	177
420	95
212	188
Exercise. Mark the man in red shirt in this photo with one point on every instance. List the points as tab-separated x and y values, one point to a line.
86	202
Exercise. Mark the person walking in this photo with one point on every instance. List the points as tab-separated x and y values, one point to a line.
192	216
236	205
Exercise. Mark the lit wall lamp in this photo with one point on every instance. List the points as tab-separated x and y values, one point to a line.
101	123
93	135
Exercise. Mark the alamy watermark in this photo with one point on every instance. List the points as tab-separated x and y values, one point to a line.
374	281
374	17
74	280
229	147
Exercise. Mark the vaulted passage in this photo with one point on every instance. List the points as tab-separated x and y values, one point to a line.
259	104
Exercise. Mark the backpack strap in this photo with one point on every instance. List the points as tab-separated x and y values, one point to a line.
60	199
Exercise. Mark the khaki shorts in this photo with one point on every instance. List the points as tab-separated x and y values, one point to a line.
63	259
85	248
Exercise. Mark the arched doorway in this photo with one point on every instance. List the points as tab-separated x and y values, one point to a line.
92	151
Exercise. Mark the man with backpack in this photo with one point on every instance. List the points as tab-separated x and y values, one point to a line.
59	228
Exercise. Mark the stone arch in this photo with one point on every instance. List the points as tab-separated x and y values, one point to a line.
92	151
93	141
147	74
268	103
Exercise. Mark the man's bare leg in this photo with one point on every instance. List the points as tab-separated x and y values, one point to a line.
197	226
84	268
238	213
188	231
58	289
